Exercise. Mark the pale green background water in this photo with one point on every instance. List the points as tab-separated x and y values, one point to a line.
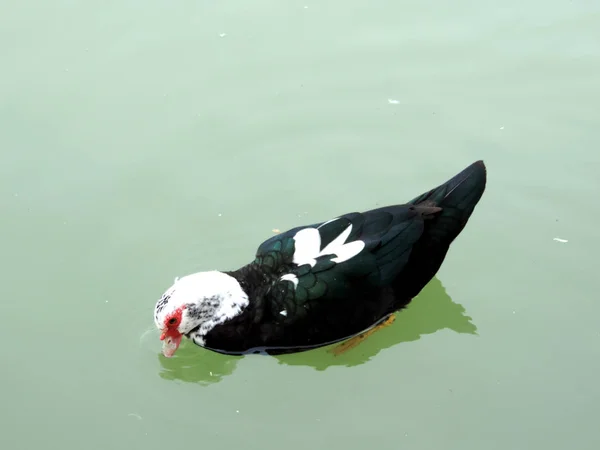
138	144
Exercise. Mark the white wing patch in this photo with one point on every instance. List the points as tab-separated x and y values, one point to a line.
308	244
337	243
347	251
290	277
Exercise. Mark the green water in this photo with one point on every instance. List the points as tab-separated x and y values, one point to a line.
146	140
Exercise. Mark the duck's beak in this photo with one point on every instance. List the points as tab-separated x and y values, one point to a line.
171	340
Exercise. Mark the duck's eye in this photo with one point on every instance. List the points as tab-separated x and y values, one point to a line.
172	321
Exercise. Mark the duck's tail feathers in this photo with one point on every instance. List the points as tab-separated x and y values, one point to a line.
457	197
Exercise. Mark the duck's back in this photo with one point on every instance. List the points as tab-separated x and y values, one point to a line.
321	283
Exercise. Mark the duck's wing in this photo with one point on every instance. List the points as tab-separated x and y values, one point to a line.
325	262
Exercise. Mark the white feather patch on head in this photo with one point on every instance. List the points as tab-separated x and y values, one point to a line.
308	243
210	298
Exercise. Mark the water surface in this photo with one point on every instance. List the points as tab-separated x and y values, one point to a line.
146	140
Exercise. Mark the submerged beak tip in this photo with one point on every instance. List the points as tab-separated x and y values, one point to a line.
170	343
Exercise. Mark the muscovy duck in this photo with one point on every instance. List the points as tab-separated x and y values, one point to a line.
324	283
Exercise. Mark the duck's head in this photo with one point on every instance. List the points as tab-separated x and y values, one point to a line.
194	305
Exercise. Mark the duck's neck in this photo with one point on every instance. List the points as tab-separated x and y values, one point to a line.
253	279
209	312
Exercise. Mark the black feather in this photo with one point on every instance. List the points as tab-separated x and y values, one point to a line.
332	299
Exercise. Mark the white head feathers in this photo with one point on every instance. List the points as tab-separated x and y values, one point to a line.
207	299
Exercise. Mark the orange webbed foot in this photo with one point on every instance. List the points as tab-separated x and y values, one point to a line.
356	340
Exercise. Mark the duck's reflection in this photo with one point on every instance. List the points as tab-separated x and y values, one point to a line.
431	311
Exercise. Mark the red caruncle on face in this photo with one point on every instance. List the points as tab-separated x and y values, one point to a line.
170	335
